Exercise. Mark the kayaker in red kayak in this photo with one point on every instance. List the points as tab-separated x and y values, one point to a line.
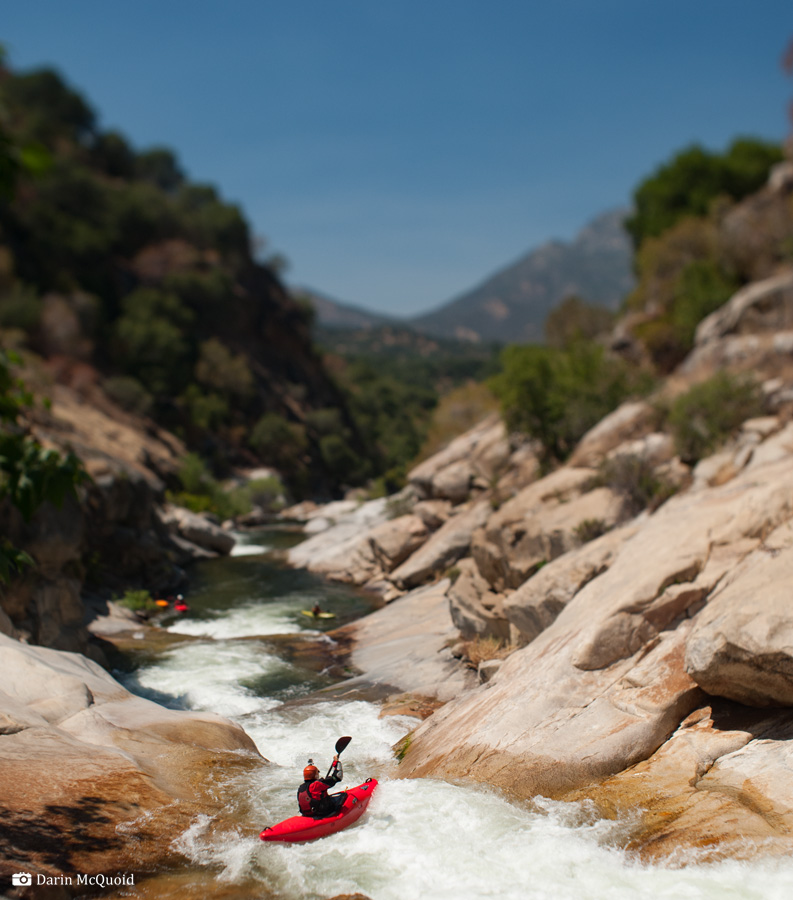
312	795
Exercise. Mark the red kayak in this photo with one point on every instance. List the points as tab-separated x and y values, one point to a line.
304	828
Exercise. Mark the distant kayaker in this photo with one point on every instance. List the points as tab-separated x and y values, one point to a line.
312	795
316	609
181	604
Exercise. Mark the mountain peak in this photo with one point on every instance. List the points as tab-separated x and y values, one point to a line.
513	303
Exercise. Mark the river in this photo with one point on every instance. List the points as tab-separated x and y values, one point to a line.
419	838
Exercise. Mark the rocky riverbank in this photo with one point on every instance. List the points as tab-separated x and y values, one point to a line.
649	653
97	781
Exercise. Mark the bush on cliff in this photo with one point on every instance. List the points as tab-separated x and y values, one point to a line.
682	278
556	396
30	475
693	179
636	480
709	413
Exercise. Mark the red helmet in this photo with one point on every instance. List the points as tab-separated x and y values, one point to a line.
310	773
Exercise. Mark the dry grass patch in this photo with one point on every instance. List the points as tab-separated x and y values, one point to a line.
481	648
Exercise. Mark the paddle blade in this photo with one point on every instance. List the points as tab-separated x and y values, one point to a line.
342	743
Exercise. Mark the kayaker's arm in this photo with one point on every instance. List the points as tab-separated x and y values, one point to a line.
336	772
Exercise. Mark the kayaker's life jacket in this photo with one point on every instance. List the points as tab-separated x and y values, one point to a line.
312	796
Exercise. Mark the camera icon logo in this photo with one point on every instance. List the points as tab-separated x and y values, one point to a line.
22	879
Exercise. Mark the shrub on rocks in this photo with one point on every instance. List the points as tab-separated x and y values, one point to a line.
711	412
635	479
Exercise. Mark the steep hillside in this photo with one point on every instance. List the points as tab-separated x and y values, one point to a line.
113	258
512	304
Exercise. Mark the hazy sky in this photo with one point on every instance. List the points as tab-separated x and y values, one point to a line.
397	152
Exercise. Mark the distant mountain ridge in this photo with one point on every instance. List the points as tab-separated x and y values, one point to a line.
512	304
333	314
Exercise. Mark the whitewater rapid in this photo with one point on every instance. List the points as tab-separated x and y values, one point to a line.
420	838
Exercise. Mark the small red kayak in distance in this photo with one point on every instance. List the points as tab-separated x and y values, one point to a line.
298	829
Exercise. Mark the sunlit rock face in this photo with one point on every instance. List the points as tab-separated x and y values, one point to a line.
539	524
468	464
94	779
742	643
664	621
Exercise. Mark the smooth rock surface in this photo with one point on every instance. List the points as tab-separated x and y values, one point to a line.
539	600
721	787
94	779
394	541
478	453
628	422
539	524
742	644
448	544
342	551
197	529
404	647
476	610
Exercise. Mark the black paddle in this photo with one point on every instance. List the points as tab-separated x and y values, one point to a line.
340	745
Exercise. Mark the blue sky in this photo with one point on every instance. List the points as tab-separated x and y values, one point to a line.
397	153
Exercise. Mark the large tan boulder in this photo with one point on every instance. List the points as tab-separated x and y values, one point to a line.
197	529
395	540
539	600
341	550
629	422
761	307
542	727
433	513
448	544
472	459
476	610
719	788
403	648
742	644
752	332
766	355
523	468
541	523
100	778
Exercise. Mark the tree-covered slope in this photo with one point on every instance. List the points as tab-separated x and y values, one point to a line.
113	257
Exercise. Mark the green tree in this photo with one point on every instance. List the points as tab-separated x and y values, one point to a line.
223	371
278	442
44	108
556	396
693	179
681	280
342	462
30	475
574	320
152	342
160	167
112	155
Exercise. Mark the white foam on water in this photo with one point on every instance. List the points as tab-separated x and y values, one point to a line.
247	620
438	841
249	549
206	675
420	838
247	544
